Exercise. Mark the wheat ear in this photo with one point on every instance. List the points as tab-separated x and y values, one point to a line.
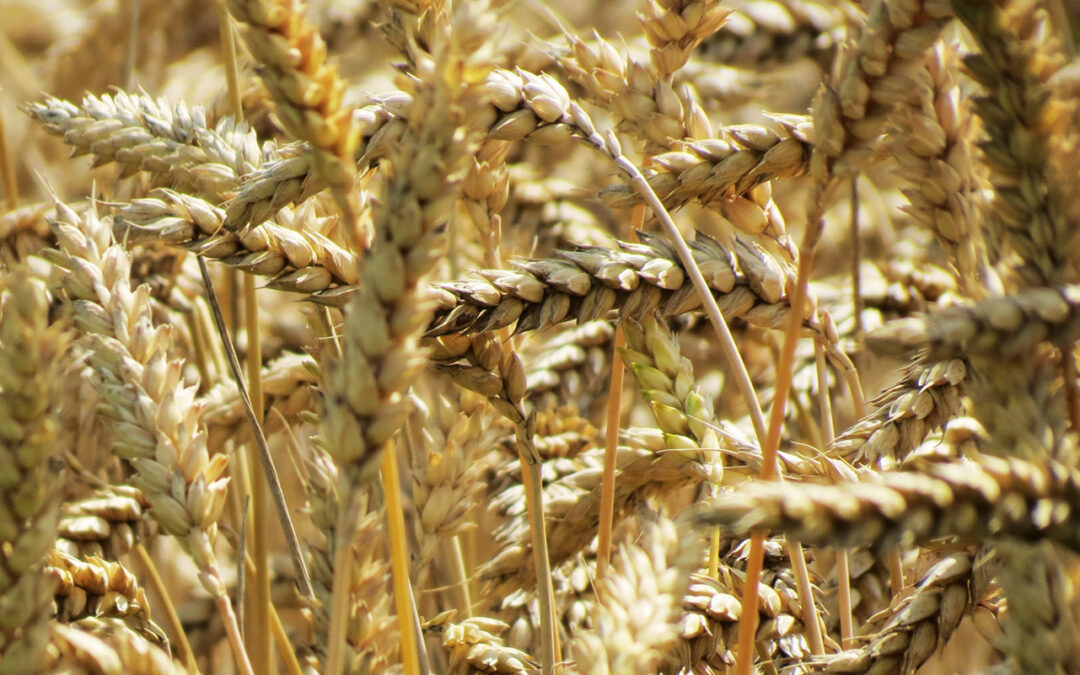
145	403
30	353
1018	56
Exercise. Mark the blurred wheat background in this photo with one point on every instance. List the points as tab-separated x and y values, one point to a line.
515	336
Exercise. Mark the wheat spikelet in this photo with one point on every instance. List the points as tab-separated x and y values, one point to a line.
928	395
917	625
370	637
1040	583
30	350
491	368
446	485
933	147
868	82
474	646
107	646
99	588
104	525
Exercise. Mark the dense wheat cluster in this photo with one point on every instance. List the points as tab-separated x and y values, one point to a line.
496	336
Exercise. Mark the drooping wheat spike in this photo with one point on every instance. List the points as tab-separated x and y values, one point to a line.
173	143
474	646
933	145
307	91
971	499
30	357
917	625
1019	54
727	164
150	412
633	279
1003	327
298	261
366	401
634	622
104	525
928	396
644	103
107	645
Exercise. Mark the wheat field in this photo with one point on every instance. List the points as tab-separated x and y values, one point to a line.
496	336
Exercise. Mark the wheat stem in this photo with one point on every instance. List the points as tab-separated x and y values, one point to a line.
265	458
843	568
611	437
399	558
7	169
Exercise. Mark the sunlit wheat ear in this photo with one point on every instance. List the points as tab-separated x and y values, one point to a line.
172	142
30	358
650	573
292	261
933	145
632	280
928	395
149	410
99	588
